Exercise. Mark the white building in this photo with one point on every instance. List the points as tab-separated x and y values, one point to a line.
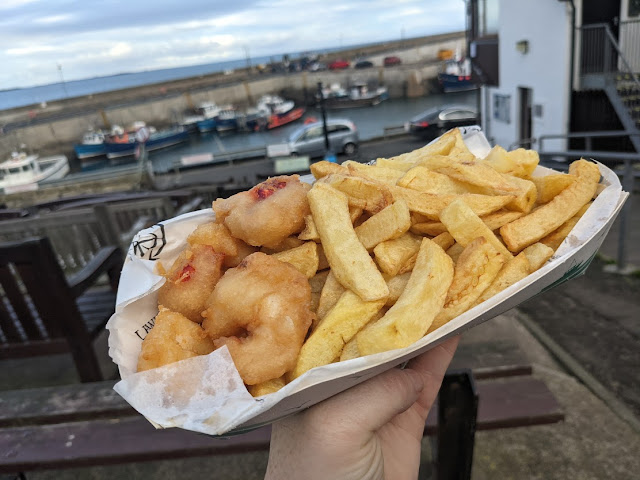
552	67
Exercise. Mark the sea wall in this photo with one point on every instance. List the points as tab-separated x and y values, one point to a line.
55	127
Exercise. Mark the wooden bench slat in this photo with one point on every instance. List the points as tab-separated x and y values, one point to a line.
524	400
96	296
92	442
105	442
13	294
40	297
8	325
34	435
35	348
47	405
517	402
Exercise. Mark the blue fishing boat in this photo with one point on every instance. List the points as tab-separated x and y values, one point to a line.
227	119
126	144
92	145
208	112
455	76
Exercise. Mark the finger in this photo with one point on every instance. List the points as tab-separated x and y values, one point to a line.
432	365
368	406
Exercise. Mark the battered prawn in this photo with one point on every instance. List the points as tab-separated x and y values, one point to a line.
191	280
268	213
172	338
261	310
217	236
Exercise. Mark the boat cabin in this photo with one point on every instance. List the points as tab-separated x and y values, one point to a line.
19	169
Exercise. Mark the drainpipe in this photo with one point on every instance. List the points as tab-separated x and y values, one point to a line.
573	61
572	65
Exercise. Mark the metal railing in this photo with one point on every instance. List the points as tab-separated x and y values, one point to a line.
629	42
601	55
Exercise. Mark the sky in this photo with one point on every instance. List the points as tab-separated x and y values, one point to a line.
43	41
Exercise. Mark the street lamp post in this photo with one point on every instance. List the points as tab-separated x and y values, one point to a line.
324	118
64	85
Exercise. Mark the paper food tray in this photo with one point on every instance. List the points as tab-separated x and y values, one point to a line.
207	395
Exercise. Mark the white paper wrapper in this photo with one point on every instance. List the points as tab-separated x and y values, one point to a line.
205	394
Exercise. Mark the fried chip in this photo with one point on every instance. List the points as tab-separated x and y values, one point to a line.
430	205
465	226
349	260
305	258
411	316
541	222
387	224
361	192
475	270
340	325
331	291
551	185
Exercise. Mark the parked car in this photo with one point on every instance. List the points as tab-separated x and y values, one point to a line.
317	66
339	65
432	123
364	64
391	61
309	139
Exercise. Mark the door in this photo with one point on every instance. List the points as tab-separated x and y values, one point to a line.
311	142
525	96
337	134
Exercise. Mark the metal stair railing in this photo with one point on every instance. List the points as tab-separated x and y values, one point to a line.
603	64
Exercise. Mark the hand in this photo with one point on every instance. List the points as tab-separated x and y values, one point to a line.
372	430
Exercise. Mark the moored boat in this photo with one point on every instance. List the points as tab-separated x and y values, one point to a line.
209	112
24	172
455	76
283	119
92	145
126	144
358	95
227	119
203	111
272	111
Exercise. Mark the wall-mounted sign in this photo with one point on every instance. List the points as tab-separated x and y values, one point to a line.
502	107
291	164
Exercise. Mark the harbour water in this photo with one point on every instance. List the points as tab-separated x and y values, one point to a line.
370	121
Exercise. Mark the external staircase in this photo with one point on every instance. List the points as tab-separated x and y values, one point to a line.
606	65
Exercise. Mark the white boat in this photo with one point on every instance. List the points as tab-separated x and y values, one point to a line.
23	172
274	104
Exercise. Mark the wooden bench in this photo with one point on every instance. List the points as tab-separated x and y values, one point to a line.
90	424
78	233
42	312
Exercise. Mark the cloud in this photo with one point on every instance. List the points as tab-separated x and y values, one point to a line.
120	50
113	36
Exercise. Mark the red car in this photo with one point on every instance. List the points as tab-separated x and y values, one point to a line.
339	65
391	61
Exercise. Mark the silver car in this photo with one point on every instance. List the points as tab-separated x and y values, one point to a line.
309	139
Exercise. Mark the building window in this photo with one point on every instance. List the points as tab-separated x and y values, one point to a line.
488	18
634	8
502	107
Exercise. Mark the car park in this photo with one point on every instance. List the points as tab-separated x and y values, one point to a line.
309	139
433	122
